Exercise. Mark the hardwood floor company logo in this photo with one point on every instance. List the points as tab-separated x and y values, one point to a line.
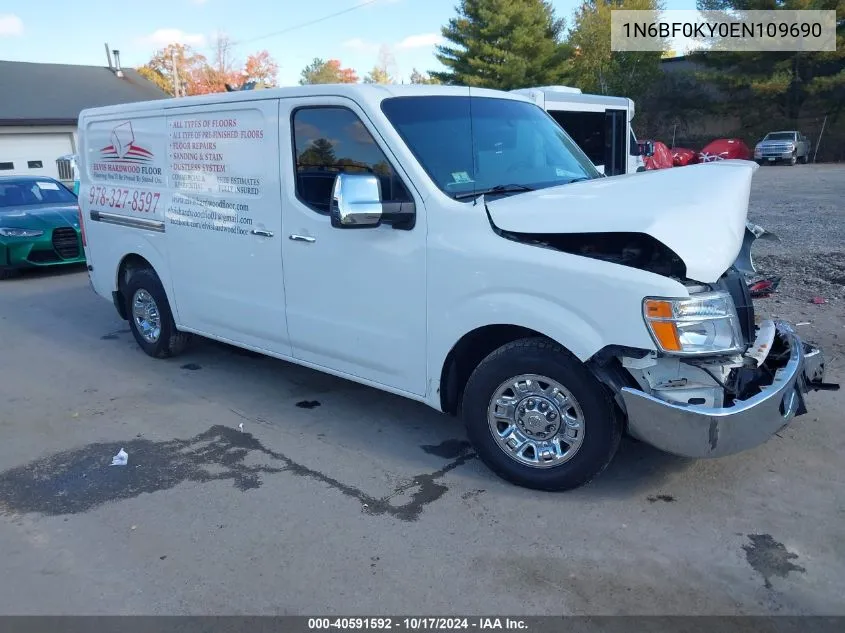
124	149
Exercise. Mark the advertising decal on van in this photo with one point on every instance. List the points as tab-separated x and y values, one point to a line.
123	148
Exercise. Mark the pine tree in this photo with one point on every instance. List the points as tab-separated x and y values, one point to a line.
502	44
594	67
787	80
320	153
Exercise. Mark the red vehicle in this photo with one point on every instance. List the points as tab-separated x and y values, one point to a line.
661	158
682	156
724	149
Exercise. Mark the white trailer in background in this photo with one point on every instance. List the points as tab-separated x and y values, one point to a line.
600	125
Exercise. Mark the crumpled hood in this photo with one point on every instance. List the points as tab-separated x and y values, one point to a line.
43	217
698	211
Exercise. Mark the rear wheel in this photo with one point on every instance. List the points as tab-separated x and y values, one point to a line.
538	418
805	159
150	317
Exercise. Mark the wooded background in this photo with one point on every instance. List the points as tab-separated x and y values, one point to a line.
507	44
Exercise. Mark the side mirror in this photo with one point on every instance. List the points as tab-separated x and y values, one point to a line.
356	201
647	148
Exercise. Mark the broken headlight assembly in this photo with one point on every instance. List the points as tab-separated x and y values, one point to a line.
704	323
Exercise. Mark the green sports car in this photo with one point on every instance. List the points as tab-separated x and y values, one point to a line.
39	224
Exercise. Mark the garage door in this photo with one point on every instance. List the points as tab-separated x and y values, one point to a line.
32	154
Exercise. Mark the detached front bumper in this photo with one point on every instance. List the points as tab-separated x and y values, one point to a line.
699	431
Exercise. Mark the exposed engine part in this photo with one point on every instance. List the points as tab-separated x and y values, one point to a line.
683	381
636	250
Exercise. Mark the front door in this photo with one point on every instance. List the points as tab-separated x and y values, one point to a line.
356	298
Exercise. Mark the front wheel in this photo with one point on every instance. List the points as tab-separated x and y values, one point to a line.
150	318
793	160
538	418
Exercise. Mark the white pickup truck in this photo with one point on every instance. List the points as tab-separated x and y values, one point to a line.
451	245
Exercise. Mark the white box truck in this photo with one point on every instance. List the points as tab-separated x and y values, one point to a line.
451	245
599	124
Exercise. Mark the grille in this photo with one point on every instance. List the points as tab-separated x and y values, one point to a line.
776	148
43	257
66	243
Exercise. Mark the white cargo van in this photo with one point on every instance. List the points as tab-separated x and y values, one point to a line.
601	125
451	245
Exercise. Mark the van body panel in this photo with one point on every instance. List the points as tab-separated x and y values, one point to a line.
504	282
356	298
233	200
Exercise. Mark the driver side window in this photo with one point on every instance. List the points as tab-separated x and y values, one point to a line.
328	140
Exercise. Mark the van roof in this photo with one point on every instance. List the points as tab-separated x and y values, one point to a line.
372	94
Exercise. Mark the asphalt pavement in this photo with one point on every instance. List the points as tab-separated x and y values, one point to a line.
336	498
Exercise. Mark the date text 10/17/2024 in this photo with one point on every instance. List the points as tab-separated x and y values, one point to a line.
416	624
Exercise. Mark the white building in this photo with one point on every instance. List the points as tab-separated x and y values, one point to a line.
41	104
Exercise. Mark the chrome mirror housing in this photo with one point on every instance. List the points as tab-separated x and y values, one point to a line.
356	201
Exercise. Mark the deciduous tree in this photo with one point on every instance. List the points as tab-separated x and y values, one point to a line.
174	69
320	71
422	78
261	68
179	67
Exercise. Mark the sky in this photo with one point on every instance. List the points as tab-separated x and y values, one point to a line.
74	32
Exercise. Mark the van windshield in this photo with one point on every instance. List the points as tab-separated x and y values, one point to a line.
473	144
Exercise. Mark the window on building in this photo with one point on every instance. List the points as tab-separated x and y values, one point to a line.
35	164
6	166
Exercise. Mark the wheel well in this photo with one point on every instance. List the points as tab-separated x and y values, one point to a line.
467	354
127	265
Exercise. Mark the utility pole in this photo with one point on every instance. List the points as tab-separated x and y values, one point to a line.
175	72
818	142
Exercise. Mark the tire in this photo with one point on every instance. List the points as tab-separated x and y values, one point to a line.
544	361
793	160
144	289
805	159
8	273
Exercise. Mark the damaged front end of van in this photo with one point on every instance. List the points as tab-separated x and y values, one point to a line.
719	380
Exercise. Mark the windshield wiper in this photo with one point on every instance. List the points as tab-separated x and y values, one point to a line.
513	188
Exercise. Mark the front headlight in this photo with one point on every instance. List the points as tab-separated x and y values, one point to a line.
10	232
704	323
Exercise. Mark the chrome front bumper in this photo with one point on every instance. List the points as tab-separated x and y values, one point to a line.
698	431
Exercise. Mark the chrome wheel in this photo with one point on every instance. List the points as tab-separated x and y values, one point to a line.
146	316
536	421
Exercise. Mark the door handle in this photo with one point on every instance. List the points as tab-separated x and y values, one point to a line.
261	233
302	238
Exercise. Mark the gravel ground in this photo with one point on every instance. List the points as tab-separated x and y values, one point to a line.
805	207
